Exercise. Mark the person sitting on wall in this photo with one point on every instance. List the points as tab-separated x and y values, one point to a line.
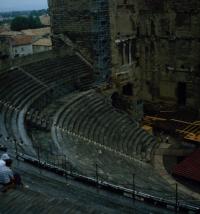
8	179
6	174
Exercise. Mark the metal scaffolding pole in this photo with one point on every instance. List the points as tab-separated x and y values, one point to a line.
101	41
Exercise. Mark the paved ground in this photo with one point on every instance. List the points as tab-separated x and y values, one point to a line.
48	193
118	170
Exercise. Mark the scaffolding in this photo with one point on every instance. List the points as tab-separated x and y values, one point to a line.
101	38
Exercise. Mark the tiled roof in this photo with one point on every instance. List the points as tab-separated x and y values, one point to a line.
21	40
43	42
3	29
190	167
37	32
10	33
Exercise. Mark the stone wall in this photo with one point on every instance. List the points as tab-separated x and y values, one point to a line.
72	19
170	50
83	22
154	43
165	47
5	50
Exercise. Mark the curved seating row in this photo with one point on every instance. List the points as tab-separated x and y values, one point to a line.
92	117
26	93
23	88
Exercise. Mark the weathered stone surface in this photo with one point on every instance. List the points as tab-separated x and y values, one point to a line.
155	42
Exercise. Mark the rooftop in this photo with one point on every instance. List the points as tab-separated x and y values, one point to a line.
3	29
43	42
37	32
10	33
21	40
189	168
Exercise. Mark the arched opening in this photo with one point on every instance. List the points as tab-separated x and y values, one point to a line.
181	93
118	102
152	28
115	100
152	47
128	89
138	31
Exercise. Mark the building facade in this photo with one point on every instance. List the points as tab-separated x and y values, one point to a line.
42	45
150	48
15	46
21	46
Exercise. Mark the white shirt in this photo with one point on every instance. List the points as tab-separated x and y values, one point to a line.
5	156
2	163
6	173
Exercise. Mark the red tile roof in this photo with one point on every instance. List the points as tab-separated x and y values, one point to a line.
190	167
21	40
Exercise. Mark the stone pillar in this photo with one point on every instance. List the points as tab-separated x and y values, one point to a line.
130	52
124	52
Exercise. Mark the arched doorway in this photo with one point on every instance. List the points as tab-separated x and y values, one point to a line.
128	89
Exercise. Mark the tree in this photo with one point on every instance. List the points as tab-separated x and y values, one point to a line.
21	23
37	23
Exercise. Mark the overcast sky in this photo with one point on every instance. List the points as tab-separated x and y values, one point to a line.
10	5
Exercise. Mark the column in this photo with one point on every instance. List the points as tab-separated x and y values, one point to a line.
130	52
124	53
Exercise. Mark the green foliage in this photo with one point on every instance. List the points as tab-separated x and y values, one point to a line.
21	23
37	12
24	13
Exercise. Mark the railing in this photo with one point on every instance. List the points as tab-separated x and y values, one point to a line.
59	164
